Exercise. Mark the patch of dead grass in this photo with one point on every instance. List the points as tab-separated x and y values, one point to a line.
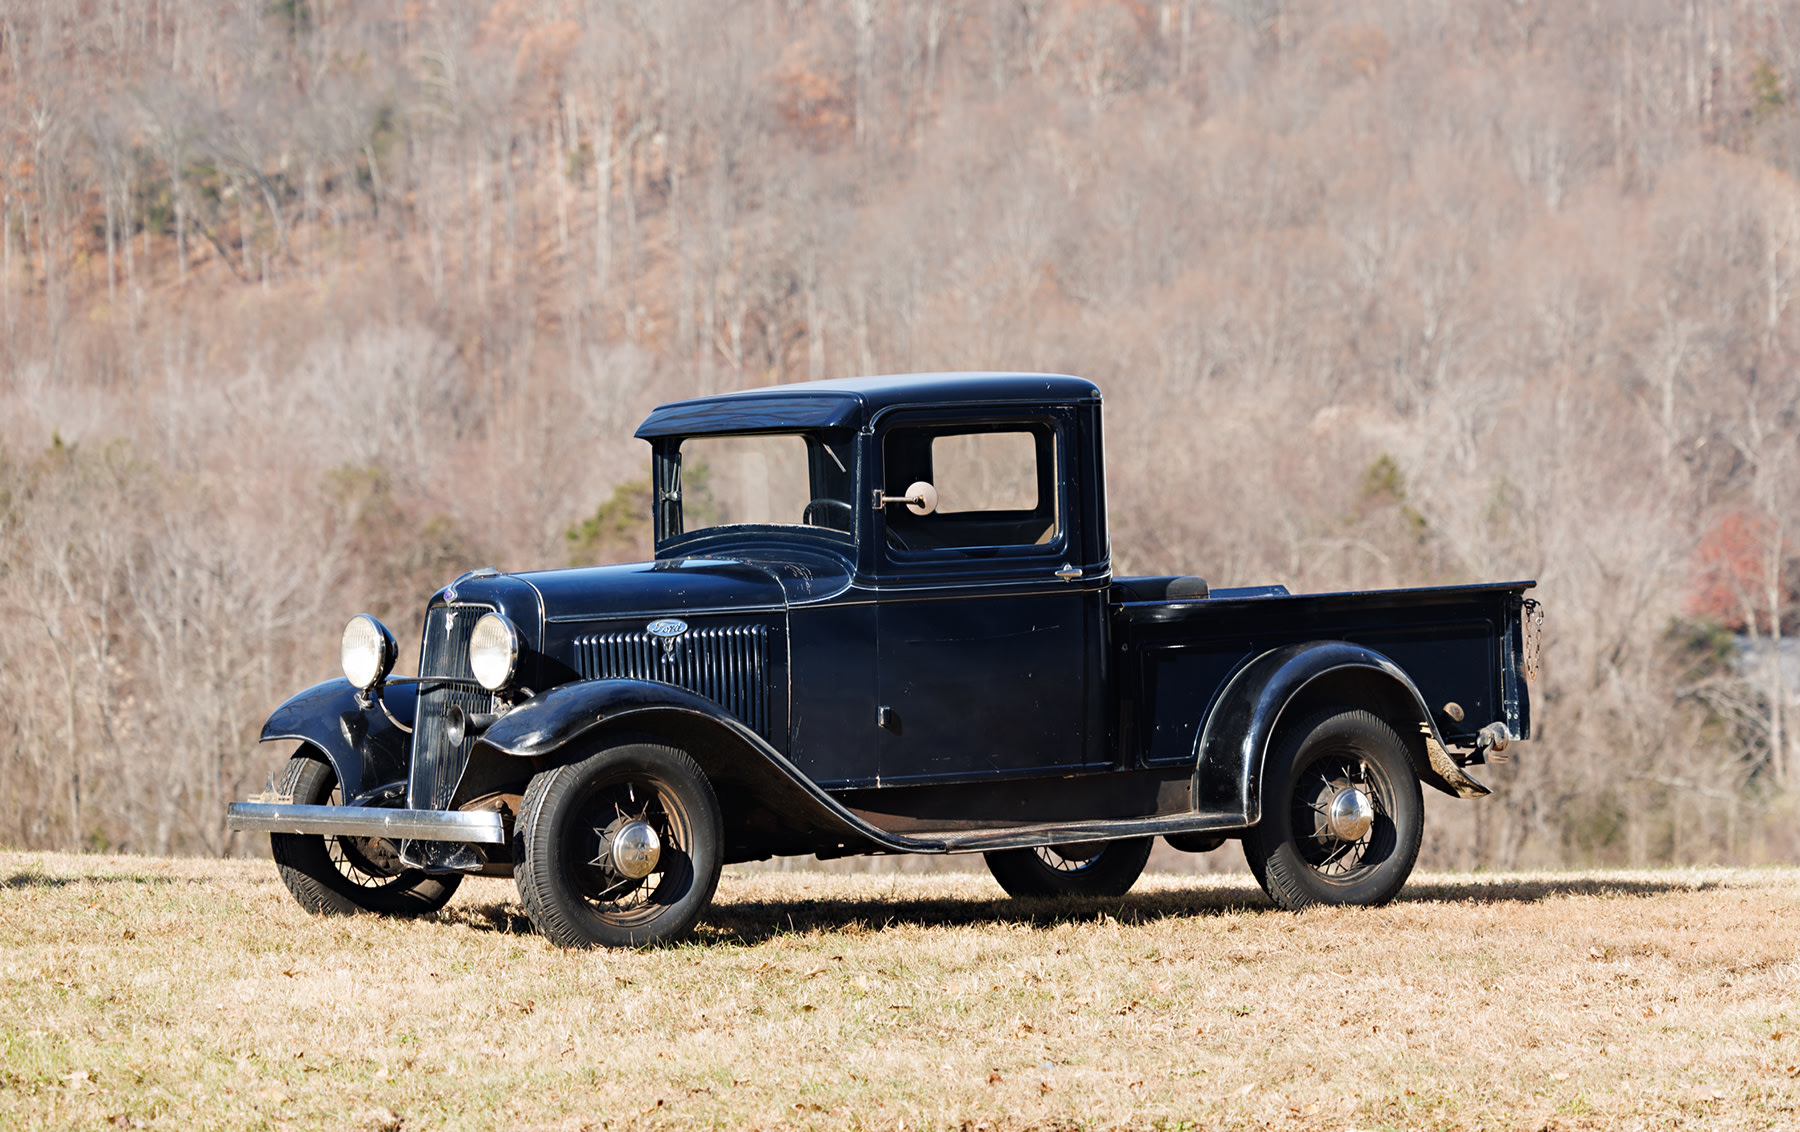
196	994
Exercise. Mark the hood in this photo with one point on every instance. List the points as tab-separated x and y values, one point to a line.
648	589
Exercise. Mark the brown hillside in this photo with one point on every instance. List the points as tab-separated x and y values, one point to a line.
306	307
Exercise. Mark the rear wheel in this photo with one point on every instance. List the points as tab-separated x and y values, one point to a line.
1087	868
1194	842
622	849
341	875
1342	814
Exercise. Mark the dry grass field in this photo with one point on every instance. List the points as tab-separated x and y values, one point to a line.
138	992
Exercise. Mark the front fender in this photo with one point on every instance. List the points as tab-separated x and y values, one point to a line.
554	719
363	746
1232	747
748	775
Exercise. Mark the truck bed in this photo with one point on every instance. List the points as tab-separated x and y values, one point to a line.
1461	645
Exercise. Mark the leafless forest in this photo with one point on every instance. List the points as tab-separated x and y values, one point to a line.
307	306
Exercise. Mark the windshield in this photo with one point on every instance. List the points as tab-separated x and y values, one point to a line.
789	479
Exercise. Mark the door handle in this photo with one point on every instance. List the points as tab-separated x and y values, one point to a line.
1068	573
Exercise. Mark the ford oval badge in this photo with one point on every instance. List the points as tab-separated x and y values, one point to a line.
666	628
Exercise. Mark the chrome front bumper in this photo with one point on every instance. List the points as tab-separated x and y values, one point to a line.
481	827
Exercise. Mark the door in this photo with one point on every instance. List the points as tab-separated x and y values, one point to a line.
987	636
833	733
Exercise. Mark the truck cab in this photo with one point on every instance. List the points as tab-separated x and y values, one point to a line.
882	618
966	635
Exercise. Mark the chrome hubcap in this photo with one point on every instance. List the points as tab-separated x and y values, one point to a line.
1350	814
635	849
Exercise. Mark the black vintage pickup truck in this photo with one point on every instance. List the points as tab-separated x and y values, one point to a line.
882	618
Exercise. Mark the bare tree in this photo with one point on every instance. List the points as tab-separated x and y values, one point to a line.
1394	293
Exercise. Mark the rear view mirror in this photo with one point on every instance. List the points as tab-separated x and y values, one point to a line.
921	498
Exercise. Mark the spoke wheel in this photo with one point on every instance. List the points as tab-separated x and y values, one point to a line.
344	875
1342	813
1087	868
621	849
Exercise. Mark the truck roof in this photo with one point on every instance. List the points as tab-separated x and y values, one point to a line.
851	402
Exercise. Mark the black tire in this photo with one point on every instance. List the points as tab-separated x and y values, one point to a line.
341	876
572	892
1194	842
1294	852
1091	868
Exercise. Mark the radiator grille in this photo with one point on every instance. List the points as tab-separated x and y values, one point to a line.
729	665
437	763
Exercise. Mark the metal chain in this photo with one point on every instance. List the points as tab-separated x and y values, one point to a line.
1534	632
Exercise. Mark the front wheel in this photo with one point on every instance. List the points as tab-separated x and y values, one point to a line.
1088	868
341	875
1342	814
621	849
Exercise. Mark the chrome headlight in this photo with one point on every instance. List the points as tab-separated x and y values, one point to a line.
493	651
368	651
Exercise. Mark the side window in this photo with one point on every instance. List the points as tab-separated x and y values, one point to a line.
995	485
985	471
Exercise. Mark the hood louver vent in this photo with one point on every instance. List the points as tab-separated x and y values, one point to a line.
729	665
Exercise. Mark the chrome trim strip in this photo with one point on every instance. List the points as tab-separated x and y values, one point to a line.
1093	583
483	827
635	615
1011	774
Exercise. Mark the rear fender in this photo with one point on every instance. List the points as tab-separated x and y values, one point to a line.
1284	683
362	745
751	778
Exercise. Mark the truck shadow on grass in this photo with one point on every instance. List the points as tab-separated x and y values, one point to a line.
753	922
750	922
42	880
1531	890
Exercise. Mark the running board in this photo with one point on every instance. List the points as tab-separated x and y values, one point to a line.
1068	833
